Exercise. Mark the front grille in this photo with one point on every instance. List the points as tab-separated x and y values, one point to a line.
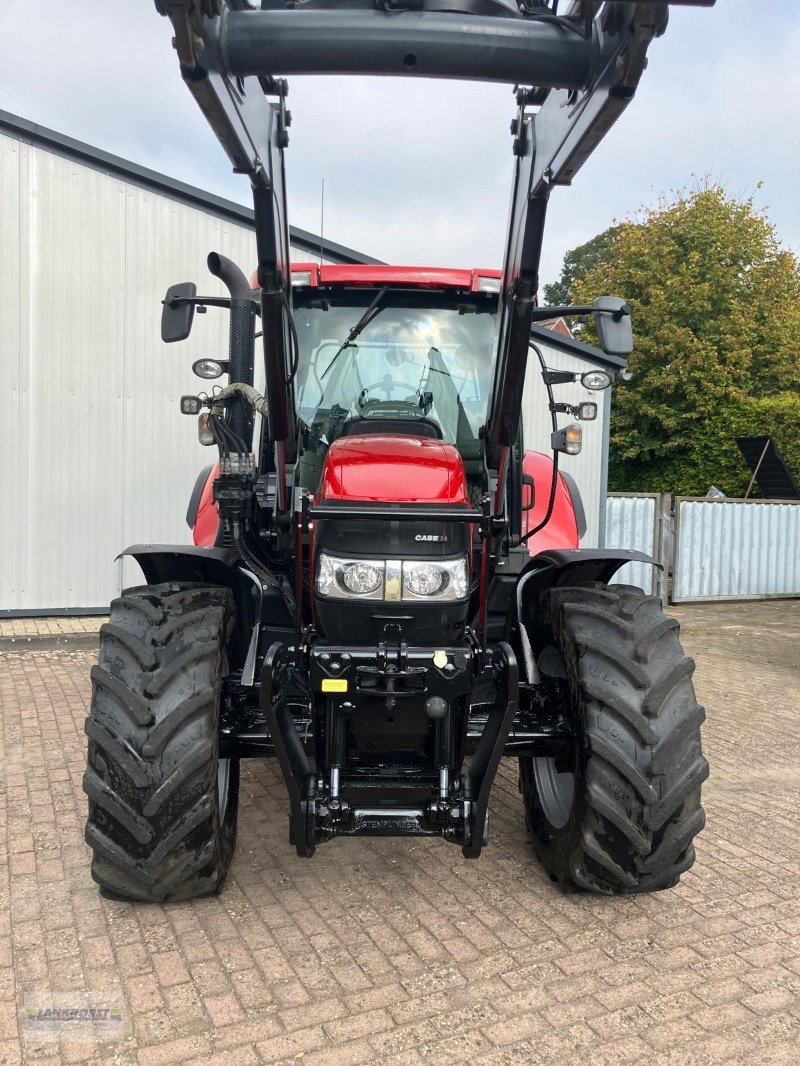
390	539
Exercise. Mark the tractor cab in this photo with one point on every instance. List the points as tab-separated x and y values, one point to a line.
393	352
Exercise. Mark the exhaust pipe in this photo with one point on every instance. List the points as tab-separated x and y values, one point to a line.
230	275
241	344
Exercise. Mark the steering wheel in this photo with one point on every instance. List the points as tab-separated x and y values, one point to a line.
388	385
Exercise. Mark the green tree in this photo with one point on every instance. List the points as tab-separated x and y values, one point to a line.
716	458
577	263
716	314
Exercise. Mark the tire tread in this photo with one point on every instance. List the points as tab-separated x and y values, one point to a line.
642	759
151	778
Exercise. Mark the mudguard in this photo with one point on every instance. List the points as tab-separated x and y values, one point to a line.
574	566
209	566
564	567
559	567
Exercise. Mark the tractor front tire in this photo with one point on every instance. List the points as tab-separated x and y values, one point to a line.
621	815
162	804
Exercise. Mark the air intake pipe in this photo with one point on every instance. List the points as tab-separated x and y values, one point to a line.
241	346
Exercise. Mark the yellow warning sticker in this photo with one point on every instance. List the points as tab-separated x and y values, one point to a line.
334	684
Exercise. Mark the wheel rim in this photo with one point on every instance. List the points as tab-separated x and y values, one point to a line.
556	791
556	788
223	786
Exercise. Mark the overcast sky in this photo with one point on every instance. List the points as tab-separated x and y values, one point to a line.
419	171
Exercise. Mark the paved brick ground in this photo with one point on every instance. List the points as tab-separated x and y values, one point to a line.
29	634
69	625
402	952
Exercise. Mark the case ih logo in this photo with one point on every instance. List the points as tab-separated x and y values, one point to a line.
438	538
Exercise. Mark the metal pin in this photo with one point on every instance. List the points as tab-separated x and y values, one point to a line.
444	782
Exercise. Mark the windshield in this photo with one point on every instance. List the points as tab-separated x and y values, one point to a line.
421	354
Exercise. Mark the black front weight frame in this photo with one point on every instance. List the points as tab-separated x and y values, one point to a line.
461	818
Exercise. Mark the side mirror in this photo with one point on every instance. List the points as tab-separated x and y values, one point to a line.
612	320
178	313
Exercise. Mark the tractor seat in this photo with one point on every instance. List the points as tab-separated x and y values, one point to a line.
418	427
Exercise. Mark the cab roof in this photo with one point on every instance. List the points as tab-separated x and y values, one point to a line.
313	275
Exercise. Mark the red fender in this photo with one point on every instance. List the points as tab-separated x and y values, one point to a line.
206	523
561	530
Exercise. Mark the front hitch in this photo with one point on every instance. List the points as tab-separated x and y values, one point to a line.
456	810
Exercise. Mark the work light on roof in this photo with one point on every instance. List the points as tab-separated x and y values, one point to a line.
486	284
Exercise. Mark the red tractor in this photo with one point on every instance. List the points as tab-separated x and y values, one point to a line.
386	592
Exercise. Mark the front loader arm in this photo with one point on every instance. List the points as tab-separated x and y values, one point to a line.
582	69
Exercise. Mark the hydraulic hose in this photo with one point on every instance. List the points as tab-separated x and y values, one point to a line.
239	390
259	569
554	482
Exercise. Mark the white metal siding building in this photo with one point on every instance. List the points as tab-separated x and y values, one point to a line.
96	455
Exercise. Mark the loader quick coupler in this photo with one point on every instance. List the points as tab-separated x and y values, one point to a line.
392	727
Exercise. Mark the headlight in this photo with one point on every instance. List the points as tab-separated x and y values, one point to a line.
446	580
424	579
361	578
349	578
392	580
208	368
595	380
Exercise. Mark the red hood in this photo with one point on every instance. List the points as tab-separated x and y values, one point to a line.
393	469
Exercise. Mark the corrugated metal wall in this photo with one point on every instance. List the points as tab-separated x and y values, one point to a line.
586	468
736	550
631	523
95	452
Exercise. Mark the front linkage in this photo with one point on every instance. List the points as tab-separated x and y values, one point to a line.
410	803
